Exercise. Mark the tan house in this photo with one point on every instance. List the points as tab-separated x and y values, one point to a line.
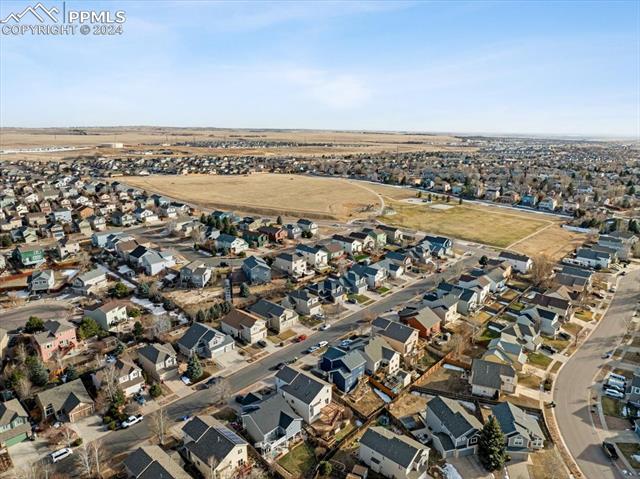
68	402
400	337
245	326
213	449
158	360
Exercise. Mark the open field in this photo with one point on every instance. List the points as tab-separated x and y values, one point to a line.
553	241
298	142
482	224
266	194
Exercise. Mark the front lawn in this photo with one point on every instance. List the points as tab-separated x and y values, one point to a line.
360	298
539	360
628	450
299	461
530	380
383	290
487	335
572	328
631	357
558	344
610	406
584	315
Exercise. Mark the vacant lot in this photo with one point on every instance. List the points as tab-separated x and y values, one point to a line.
553	241
488	225
267	194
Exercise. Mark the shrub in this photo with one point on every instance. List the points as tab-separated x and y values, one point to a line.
155	391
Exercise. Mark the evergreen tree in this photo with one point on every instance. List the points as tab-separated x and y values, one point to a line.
37	372
484	260
34	324
194	368
244	290
71	373
279	220
138	330
200	316
492	447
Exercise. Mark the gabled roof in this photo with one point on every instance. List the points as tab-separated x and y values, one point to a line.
210	439
514	256
151	462
512	419
397	448
199	332
239	319
458	421
156	352
272	413
393	329
65	397
300	384
487	373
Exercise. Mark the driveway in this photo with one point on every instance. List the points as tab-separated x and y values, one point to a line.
574	382
469	466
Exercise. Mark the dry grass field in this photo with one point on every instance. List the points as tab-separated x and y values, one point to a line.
268	194
482	224
307	142
553	241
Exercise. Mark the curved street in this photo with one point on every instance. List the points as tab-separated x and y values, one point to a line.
575	383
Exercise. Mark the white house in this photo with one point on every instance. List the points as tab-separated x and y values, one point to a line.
306	394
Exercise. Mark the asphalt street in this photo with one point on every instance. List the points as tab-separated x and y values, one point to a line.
575	381
118	442
14	318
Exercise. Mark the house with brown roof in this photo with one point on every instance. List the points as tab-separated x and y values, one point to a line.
245	326
67	402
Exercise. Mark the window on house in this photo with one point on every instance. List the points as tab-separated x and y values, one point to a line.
473	440
517	441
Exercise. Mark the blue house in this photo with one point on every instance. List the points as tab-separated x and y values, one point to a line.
529	200
344	368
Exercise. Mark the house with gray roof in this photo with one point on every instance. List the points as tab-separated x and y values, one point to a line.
256	270
489	378
393	455
523	334
506	351
67	402
213	449
278	317
303	302
14	423
521	429
158	360
402	338
204	341
306	394
41	281
151	462
454	430
273	425
343	368
546	321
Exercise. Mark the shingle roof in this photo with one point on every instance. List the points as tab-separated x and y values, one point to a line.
454	416
156	352
303	386
513	419
397	448
273	412
151	462
487	374
211	439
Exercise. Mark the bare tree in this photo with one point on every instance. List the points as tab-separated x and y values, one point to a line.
220	391
542	270
20	353
109	380
84	460
161	324
68	435
212	464
23	388
159	424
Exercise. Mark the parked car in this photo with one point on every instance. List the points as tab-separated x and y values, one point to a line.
131	420
313	348
185	418
278	367
185	380
301	338
60	454
614	393
325	326
345	342
607	355
140	399
549	349
262	343
322	344
610	450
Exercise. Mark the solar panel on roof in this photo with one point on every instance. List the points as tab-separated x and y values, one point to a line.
230	435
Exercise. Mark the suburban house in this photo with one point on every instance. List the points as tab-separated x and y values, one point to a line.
352	283
292	264
158	360
522	334
425	320
293	231
278	317
125	372
380	356
204	341
41	281
315	256
489	379
467	299
256	270
552	302
67	247
403	339
67	402
15	426
334	250
521	429
307	226
210	446
231	244
502	350
195	273
351	245
151	462
343	368
29	255
452	428
329	289
273	425
544	320
108	315
634	391
90	281
57	339
519	262
438	246
374	276
393	234
245	326
306	394
303	302
393	455
255	239
591	258
155	262
276	234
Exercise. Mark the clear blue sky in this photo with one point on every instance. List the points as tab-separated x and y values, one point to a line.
492	67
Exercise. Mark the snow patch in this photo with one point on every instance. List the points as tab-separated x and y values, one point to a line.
453	368
450	472
382	395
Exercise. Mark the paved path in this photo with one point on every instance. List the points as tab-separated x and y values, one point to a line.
16	318
575	380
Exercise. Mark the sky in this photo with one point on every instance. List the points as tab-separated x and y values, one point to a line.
548	68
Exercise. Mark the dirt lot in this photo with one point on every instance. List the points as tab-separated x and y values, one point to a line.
553	241
305	143
408	405
482	224
447	380
267	194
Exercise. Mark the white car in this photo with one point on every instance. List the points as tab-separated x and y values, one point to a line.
614	393
325	326
131	420
322	344
185	380
60	454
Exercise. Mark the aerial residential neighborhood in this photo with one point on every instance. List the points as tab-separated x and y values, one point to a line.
314	240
